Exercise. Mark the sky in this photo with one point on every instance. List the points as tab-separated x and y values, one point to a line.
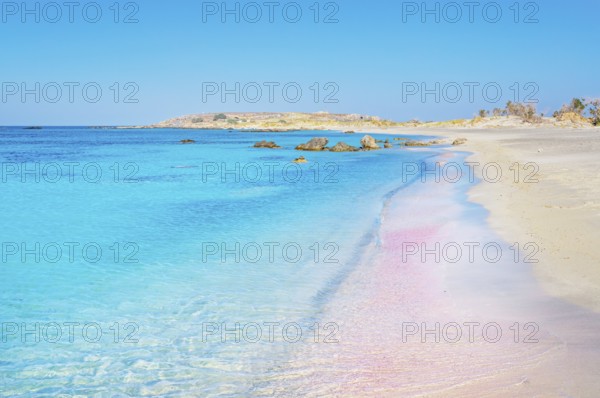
134	63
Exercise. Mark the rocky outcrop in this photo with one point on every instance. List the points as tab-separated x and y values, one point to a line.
387	144
301	159
343	147
316	144
349	132
188	142
368	143
266	144
459	141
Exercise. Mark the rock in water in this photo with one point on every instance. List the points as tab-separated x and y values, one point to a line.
368	143
316	144
387	144
416	143
459	141
266	144
343	147
301	159
188	141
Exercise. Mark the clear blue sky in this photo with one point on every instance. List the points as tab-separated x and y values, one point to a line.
372	52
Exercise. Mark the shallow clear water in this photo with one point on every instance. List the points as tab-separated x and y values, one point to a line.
124	230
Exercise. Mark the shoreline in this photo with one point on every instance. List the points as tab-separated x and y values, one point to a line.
560	212
385	292
546	212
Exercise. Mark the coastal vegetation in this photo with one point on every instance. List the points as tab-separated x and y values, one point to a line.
582	109
578	111
526	112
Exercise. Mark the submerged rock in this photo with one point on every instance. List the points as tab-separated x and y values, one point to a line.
349	132
417	143
343	147
316	144
459	141
301	159
368	143
188	141
266	130
266	144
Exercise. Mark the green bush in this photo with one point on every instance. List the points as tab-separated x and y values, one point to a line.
220	116
575	106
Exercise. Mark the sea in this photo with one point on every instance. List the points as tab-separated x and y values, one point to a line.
135	265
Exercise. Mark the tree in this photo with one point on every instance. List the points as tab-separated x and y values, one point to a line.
530	114
595	111
526	112
513	109
577	106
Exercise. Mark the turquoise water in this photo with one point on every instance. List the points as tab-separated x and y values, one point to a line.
113	230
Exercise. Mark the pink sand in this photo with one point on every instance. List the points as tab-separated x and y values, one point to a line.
384	292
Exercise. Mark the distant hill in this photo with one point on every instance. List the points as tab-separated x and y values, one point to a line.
275	121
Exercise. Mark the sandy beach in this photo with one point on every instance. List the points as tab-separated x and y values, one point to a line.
561	211
557	208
